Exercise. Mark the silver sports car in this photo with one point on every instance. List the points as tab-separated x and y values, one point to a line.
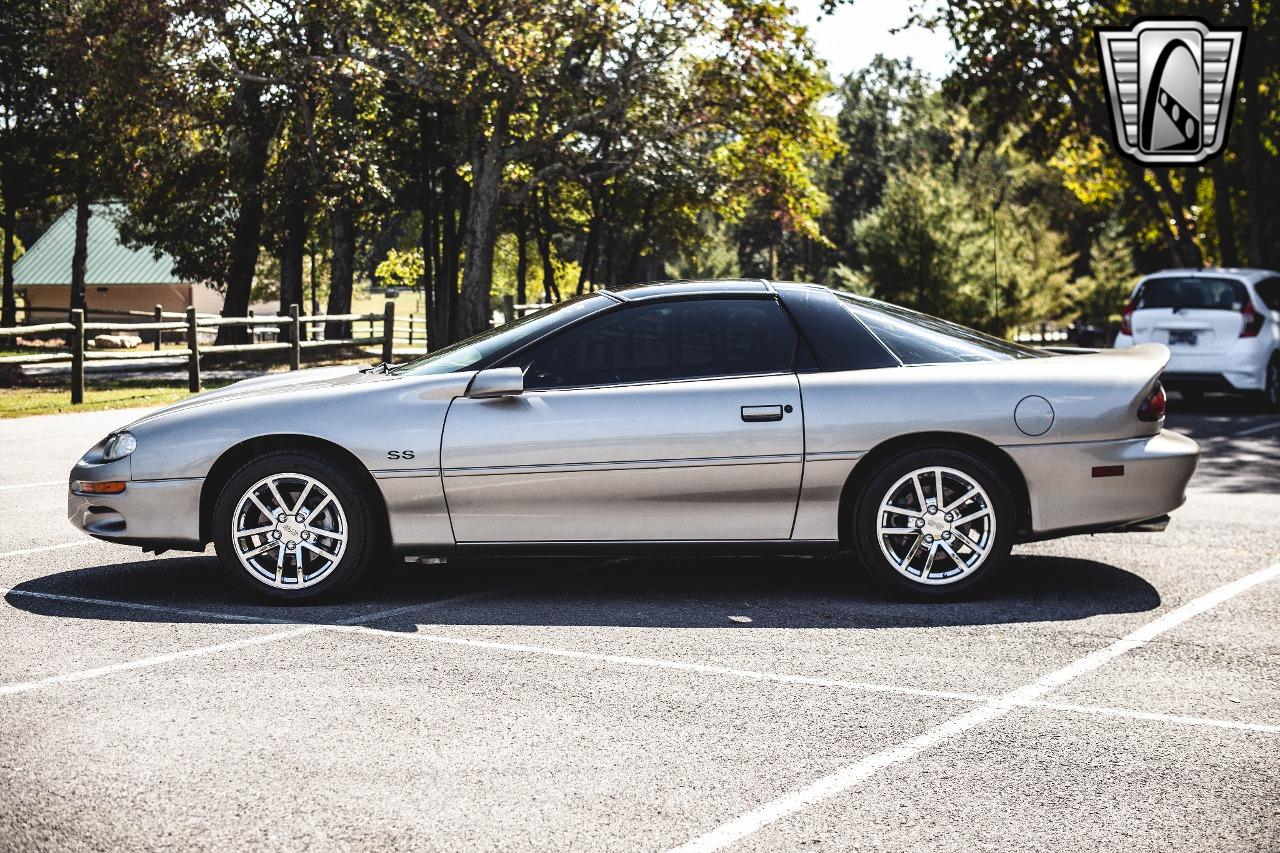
740	417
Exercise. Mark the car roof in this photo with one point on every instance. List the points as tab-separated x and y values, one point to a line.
1246	274
712	287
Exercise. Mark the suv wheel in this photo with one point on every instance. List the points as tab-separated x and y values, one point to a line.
1271	389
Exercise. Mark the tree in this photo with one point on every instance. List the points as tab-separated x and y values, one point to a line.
24	101
1035	65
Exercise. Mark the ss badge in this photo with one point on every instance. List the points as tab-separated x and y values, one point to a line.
399	454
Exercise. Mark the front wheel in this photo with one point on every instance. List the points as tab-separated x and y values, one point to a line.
933	523
292	527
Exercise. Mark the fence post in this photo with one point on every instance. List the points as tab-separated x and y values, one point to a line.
77	357
193	347
295	338
388	329
159	315
410	330
508	308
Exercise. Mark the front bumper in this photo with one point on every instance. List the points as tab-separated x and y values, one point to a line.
148	513
1066	496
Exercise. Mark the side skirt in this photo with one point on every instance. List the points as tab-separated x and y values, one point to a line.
754	547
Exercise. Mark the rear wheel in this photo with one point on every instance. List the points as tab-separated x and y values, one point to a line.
933	523
1271	389
292	527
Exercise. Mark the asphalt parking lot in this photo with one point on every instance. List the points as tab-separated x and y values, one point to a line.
1108	692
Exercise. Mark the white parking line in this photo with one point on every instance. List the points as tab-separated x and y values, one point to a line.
756	675
142	663
32	485
1257	429
148	608
846	777
42	549
659	663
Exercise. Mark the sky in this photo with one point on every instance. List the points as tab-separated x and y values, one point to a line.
850	38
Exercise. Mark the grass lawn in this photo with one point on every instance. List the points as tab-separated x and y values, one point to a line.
22	402
105	393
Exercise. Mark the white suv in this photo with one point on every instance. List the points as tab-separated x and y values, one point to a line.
1222	326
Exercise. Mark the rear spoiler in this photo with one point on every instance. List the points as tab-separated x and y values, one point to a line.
1070	350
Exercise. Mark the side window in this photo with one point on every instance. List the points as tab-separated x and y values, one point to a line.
1269	290
920	339
839	339
655	342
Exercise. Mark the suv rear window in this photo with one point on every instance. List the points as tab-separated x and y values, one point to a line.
1193	291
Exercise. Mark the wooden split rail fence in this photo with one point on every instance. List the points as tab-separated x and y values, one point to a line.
190	325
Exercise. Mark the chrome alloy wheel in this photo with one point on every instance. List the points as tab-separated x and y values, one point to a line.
936	525
289	531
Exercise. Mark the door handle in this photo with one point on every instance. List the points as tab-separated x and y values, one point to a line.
751	414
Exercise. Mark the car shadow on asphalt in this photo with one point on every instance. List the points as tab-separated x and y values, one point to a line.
740	593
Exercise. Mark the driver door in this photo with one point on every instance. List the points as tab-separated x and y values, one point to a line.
666	421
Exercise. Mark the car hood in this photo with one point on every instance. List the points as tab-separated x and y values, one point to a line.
271	384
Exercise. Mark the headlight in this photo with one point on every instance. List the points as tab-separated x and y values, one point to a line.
119	446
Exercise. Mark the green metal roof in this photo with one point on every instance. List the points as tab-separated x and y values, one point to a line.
48	261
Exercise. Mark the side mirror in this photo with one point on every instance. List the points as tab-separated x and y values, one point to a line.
497	382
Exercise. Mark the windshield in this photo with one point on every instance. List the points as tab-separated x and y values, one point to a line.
466	355
917	338
1215	294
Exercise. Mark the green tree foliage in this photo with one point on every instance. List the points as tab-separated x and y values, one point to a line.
1035	65
544	149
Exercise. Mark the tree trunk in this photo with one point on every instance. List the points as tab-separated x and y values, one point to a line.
341	269
294	250
482	230
1224	217
9	304
255	137
522	255
342	217
550	292
589	250
457	202
1253	160
429	213
80	254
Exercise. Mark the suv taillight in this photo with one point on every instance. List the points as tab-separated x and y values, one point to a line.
1152	408
1253	320
1126	319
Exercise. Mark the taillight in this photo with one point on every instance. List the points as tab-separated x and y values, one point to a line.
1253	320
1126	319
1152	408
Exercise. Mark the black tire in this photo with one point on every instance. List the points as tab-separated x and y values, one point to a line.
1269	399
998	542
364	527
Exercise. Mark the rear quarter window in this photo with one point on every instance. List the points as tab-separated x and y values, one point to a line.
917	338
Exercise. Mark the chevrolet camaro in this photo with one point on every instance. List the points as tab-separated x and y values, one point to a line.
685	417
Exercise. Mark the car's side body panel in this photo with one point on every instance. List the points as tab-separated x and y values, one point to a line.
663	462
1067	492
660	461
